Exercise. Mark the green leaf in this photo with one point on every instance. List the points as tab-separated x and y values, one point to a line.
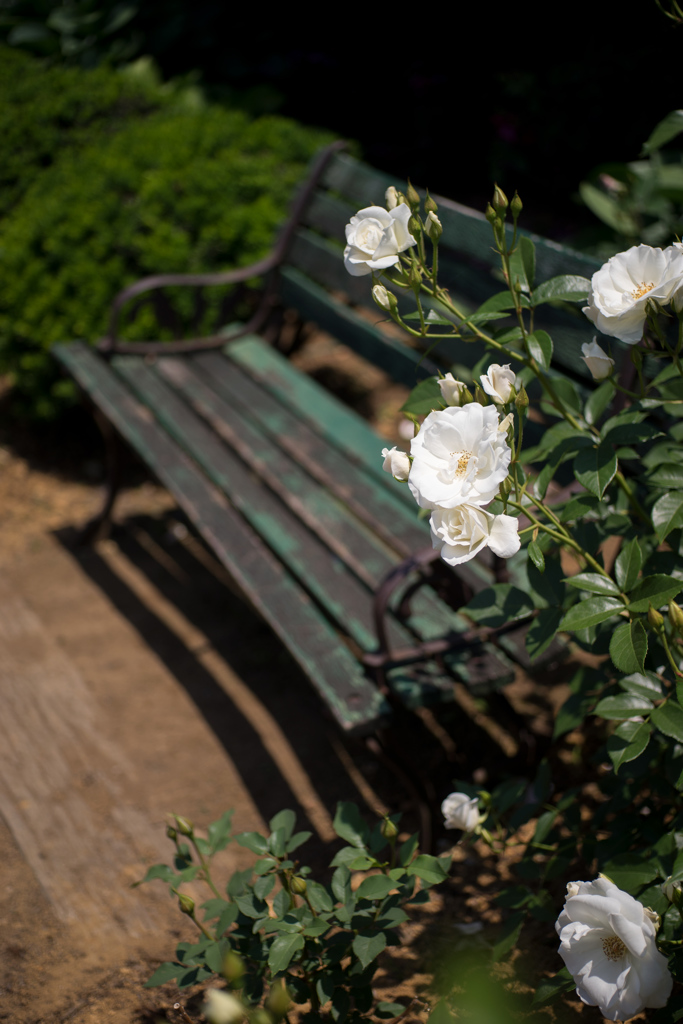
499	604
166	972
668	128
536	556
441	1014
508	935
628	742
219	831
595	468
407	849
264	864
625	705
286	820
542	630
579	507
429	869
629	564
424	397
591	612
629	871
253	841
251	906
668	475
162	871
367	947
319	897
214	908
276	842
566	287
541	348
228	917
281	903
341	883
628	646
349	825
497	302
645	684
283	949
653	590
593	582
214	956
297	840
598	401
263	886
389	1009
608	210
667	514
629	433
376	887
551	988
669	719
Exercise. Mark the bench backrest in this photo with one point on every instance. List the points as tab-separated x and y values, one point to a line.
315	282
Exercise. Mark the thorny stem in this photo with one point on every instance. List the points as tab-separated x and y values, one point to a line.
563	537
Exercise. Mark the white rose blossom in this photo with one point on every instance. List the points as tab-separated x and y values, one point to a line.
607	941
461	811
375	237
463	531
597	361
498	382
460	457
621	289
396	462
451	389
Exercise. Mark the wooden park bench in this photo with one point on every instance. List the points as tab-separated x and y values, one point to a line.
285	483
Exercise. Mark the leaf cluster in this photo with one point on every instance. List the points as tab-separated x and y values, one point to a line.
323	939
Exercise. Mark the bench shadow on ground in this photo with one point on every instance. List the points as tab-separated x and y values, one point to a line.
165	582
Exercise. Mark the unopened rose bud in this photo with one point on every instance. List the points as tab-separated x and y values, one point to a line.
500	201
516	206
233	966
298	885
278	1001
505	487
522	399
452	390
433	227
655	619
414	276
414	225
499	383
171	833
186	904
185	827
261	1017
391	196
636	356
490	214
412	196
479	396
676	617
673	891
396	462
384	298
389	829
597	361
430	205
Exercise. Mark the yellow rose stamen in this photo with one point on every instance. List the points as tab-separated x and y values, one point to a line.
463	459
613	947
642	289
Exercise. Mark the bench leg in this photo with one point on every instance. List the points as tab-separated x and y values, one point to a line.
99	526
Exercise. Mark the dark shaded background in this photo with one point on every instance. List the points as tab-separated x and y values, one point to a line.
533	96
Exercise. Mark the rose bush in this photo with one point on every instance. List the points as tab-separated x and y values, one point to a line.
607	941
375	237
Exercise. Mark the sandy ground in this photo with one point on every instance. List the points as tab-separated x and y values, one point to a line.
135	683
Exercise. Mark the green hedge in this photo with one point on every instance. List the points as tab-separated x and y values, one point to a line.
171	192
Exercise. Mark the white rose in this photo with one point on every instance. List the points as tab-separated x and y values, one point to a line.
461	811
381	296
451	389
463	531
391	196
677	296
621	289
459	457
375	237
597	361
498	382
222	1008
607	941
396	462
